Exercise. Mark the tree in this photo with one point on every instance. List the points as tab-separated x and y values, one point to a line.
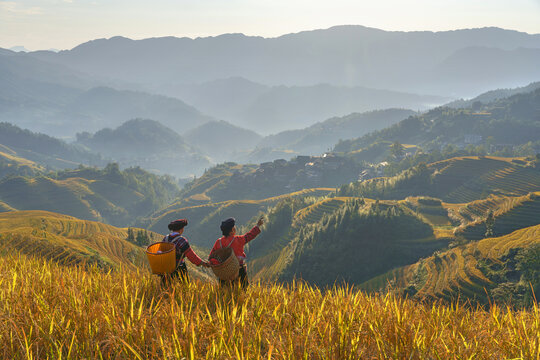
477	106
142	238
490	222
397	150
131	236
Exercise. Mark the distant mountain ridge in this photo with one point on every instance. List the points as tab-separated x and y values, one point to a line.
341	55
320	137
59	101
271	109
493	95
221	140
149	144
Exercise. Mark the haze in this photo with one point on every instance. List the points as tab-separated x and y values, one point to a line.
63	24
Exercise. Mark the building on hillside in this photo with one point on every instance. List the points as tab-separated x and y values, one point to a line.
472	139
302	159
501	147
266	165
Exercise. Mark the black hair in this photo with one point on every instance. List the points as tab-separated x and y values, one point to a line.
177	225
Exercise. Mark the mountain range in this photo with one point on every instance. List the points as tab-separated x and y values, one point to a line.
271	109
461	62
267	85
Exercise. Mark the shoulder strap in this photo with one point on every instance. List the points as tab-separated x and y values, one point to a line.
221	244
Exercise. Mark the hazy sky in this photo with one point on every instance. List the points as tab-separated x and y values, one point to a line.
63	24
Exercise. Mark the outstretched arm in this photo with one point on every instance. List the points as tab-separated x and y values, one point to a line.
193	257
190	254
252	234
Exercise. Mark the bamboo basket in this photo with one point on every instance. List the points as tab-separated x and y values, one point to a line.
228	264
162	257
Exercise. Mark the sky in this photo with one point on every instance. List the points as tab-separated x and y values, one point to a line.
64	24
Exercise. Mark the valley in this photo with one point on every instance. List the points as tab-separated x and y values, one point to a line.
379	188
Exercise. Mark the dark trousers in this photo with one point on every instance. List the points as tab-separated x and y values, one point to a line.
242	278
180	272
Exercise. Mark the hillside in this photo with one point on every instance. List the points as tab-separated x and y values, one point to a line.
510	214
493	95
13	164
230	181
221	141
506	267
318	138
105	107
204	220
69	241
126	314
456	180
23	147
503	123
339	239
109	195
148	144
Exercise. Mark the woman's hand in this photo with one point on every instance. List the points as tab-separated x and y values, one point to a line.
260	222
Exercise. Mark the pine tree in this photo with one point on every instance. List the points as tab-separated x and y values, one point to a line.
130	236
490	222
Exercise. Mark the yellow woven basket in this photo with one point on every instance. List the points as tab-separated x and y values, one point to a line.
162	257
228	264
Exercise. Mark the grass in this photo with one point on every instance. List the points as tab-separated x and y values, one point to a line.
51	311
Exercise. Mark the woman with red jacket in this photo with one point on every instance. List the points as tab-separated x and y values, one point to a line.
237	243
183	250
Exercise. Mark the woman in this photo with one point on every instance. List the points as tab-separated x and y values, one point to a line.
183	250
237	243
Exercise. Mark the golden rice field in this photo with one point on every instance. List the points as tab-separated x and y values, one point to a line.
511	214
455	272
68	240
313	213
208	216
50	311
83	198
475	176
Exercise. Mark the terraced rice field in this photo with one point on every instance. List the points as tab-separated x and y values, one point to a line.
478	210
204	219
85	199
436	215
198	213
68	240
510	215
455	272
478	176
396	278
314	213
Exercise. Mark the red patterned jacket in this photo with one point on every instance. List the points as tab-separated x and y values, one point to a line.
237	243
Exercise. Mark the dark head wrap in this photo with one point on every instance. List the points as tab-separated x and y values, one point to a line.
177	224
227	225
